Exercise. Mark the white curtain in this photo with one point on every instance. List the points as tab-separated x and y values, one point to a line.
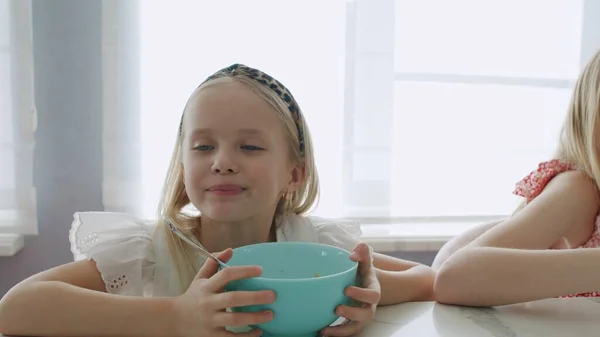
17	120
122	148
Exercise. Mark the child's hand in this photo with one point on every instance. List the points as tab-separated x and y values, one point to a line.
369	296
201	310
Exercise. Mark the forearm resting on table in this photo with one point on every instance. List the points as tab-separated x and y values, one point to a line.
487	276
414	284
52	308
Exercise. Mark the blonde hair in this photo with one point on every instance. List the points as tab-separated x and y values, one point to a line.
579	143
175	199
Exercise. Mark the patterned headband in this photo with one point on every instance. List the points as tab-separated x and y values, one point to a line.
271	83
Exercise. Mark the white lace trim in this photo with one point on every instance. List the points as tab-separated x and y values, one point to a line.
75	240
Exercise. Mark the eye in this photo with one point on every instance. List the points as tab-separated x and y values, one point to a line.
251	148
203	147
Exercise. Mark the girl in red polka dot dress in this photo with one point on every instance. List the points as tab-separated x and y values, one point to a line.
550	246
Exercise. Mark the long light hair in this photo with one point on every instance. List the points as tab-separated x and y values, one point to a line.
579	143
175	199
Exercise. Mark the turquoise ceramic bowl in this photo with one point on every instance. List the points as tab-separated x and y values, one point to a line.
308	280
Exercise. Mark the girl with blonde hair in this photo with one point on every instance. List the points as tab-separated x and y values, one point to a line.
550	246
244	161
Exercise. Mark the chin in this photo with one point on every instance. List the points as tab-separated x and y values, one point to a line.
225	214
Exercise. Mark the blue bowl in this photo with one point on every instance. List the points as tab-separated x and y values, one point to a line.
308	279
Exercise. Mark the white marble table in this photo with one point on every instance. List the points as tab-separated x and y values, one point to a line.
547	318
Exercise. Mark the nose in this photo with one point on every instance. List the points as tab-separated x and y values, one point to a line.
224	164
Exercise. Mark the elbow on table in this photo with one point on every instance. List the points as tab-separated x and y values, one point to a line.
453	284
8	314
446	287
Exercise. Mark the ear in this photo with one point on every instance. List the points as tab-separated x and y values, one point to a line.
298	175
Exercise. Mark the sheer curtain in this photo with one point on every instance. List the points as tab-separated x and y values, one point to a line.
122	148
17	121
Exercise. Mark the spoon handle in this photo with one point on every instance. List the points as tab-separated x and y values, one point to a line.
203	250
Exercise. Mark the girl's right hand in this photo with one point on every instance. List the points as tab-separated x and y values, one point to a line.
201	310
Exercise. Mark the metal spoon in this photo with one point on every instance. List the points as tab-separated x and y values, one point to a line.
198	246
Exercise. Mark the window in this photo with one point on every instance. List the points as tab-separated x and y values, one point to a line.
452	102
17	195
418	109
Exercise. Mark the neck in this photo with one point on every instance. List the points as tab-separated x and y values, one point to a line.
216	236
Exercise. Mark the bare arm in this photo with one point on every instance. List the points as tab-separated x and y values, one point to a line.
500	276
459	242
510	262
70	300
403	281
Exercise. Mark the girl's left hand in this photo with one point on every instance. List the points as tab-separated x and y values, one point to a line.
369	296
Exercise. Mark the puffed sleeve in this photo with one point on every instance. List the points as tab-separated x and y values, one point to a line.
122	247
344	234
534	183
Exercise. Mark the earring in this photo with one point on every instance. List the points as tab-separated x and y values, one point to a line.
288	205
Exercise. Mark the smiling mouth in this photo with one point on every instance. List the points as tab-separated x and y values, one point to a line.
226	190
